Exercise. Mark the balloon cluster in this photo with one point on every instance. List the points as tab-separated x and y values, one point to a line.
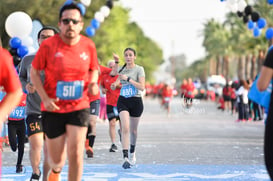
18	26
250	17
99	16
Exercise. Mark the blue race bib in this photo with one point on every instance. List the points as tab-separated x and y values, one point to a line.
18	113
128	90
167	99
69	90
2	95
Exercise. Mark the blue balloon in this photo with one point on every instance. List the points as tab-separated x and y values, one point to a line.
256	32
270	1
22	51
15	42
95	23
90	31
250	24
261	23
269	33
82	8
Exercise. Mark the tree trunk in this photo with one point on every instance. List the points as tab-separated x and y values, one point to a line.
260	61
240	70
247	72
212	67
218	65
226	67
253	67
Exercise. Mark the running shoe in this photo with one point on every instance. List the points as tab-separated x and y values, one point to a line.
35	177
133	158
119	133
126	163
19	168
53	176
89	152
113	148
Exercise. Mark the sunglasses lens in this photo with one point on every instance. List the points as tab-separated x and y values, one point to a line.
67	21
74	21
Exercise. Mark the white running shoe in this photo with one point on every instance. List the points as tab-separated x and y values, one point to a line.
133	158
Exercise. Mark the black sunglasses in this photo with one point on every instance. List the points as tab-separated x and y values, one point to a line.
67	21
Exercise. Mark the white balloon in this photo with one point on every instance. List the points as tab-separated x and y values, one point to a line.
241	5
234	8
27	41
99	16
86	2
31	50
232	1
18	24
105	10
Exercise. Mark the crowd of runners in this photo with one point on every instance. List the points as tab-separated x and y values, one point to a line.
231	97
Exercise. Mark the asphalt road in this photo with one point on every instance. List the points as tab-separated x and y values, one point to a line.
199	136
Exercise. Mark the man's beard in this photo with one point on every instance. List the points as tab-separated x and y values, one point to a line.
70	34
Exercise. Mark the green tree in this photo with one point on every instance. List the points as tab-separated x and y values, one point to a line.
114	35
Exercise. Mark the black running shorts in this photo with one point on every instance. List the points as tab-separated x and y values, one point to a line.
34	124
133	105
112	112
54	124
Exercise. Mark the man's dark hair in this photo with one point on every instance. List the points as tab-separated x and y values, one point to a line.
55	30
71	5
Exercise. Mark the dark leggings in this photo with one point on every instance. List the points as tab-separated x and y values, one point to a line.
257	111
17	133
268	145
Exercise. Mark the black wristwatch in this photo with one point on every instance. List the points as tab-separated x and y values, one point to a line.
128	79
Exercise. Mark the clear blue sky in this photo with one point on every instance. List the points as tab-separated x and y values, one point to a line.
176	25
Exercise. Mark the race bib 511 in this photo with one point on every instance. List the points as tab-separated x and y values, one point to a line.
69	90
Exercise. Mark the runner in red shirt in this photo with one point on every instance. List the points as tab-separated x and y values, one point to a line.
167	94
183	88
112	99
94	113
11	84
70	63
226	96
9	80
189	92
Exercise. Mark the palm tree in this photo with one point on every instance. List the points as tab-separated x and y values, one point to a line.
216	43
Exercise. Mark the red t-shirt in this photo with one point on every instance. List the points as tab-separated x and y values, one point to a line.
8	76
183	88
227	91
167	92
102	71
190	90
111	95
232	93
64	64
